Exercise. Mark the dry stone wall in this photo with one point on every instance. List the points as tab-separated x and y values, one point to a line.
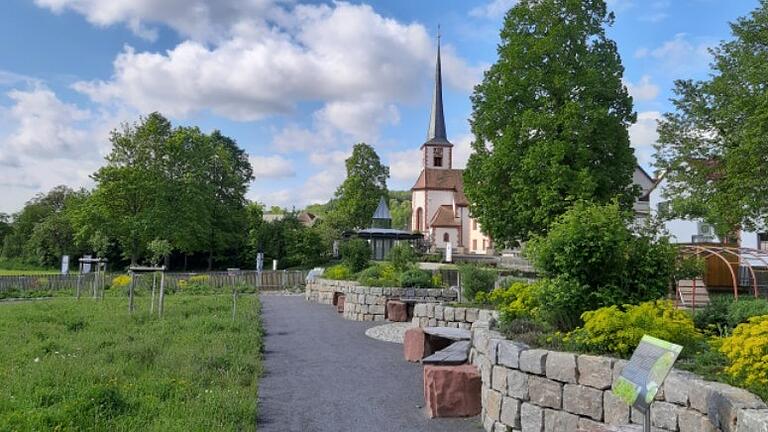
534	390
363	303
439	315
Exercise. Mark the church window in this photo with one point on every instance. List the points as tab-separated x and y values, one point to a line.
438	157
419	217
762	241
474	244
474	225
446	237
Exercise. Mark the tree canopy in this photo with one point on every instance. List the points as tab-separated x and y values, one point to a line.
550	120
357	197
712	149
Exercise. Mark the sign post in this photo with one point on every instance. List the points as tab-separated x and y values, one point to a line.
448	252
642	377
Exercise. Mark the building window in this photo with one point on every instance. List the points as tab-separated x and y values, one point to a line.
438	162
483	244
438	157
474	244
762	241
446	237
474	225
419	217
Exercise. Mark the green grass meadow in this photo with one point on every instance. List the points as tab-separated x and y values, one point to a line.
68	365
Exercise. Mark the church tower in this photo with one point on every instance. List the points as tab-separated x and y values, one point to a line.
437	151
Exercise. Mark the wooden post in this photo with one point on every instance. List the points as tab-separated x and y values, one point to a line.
152	304
161	305
79	279
130	292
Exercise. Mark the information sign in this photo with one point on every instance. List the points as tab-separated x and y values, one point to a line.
647	368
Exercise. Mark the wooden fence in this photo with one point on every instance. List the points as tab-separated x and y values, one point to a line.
48	283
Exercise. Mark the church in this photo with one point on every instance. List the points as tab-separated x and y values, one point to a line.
440	209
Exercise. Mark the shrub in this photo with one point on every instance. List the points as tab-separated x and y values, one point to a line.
518	301
594	259
742	310
437	280
747	352
475	279
379	275
121	281
338	272
713	318
402	256
415	278
356	254
616	331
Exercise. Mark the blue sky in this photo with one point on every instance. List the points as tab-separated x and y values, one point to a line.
295	83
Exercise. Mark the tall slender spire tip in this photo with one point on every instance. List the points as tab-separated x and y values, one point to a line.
436	132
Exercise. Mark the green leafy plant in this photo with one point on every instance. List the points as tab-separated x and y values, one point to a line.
747	352
338	272
743	310
379	275
356	254
592	257
415	278
616	330
402	256
476	279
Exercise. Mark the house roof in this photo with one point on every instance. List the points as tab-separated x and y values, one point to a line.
443	179
444	217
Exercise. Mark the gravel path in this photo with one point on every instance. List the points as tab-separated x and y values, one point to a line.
392	332
324	375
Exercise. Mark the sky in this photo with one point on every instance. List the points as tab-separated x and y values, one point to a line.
295	83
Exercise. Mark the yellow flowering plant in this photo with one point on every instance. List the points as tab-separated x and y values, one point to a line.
121	281
747	351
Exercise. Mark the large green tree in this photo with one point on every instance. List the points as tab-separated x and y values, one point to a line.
713	149
550	120
357	197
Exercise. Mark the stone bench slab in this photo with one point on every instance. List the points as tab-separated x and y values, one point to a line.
455	354
450	333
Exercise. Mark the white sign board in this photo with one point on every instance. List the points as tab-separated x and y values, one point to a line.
448	252
65	264
274	264
87	265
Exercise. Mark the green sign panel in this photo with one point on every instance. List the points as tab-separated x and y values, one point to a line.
643	375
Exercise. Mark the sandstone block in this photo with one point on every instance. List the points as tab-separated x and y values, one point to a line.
615	411
439	312
618	366
583	400
508	353
664	415
499	379
677	385
561	367
419	309
340	300
452	391
448	313
397	311
415	346
471	315
430	309
560	421
531	418
377	309
510	412
595	371
493	404
460	314
693	421
753	420
545	393
533	361
517	384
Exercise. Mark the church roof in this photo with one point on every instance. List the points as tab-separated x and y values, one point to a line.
382	211
436	134
444	217
443	179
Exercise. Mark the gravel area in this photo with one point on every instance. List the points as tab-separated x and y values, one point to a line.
392	332
322	374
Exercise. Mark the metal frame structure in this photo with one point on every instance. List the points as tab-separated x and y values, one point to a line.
745	256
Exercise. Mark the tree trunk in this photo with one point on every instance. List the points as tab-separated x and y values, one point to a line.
185	261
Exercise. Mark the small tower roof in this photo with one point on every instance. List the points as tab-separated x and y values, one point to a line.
436	134
382	211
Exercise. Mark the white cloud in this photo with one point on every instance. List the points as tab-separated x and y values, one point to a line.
644	90
271	167
654	11
318	188
405	165
679	55
335	159
199	19
46	126
494	10
643	136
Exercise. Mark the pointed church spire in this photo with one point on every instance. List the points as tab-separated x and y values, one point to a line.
436	133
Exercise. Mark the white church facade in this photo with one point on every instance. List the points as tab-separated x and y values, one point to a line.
440	209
